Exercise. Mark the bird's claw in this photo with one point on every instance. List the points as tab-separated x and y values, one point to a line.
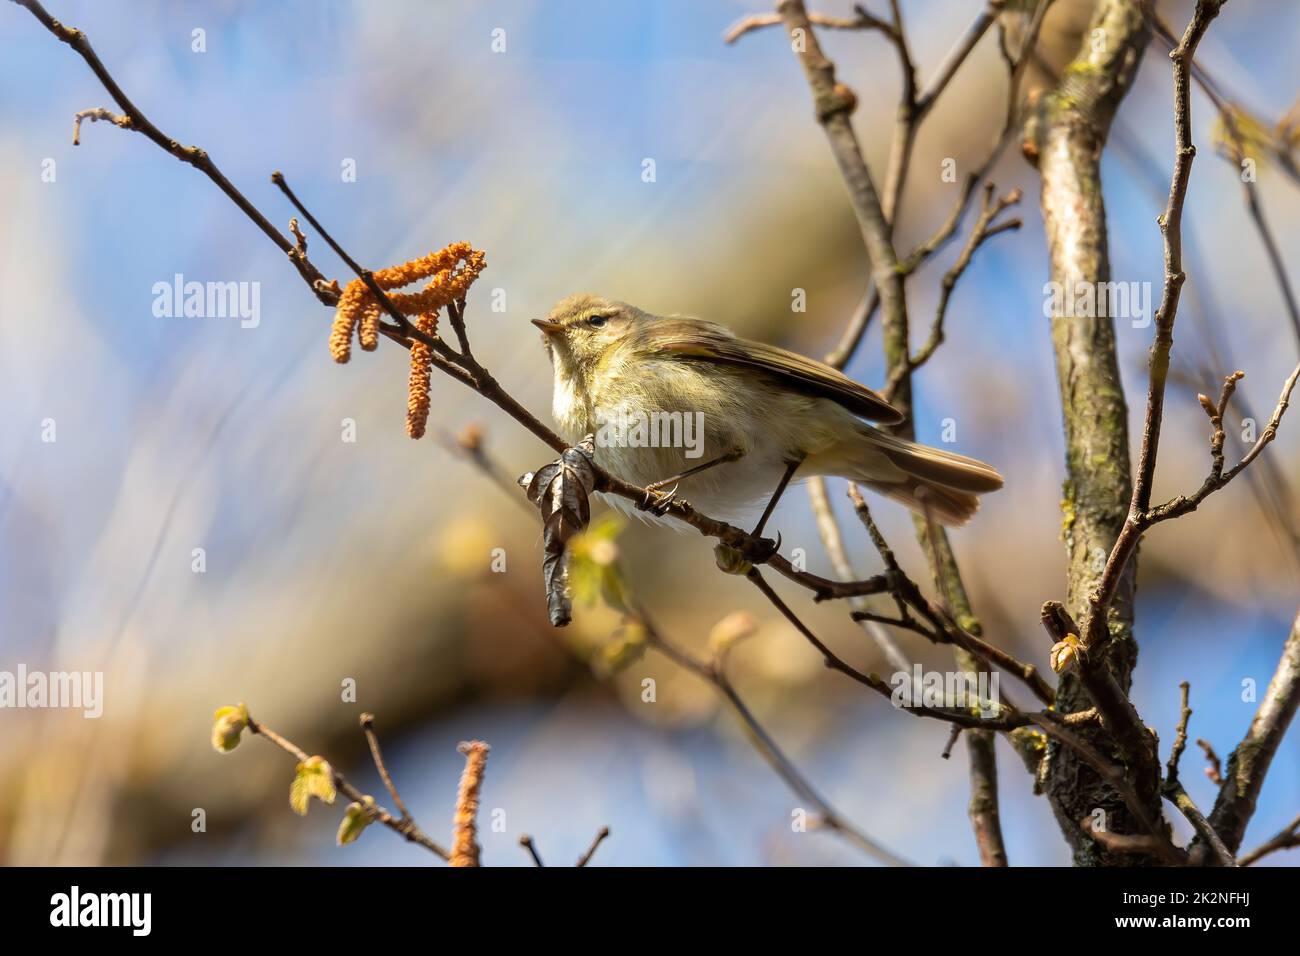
658	502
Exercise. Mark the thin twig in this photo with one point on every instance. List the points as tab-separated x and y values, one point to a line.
138	122
943	628
460	366
757	21
833	540
957	56
1180	734
1214	767
1140	521
1236	154
1248	764
1180	798
1171	223
1284	839
985	229
763	741
1005	717
1178	795
1121	842
368	728
601	834
855	330
94	115
405	826
526	842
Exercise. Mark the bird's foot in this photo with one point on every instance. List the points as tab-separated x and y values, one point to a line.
657	502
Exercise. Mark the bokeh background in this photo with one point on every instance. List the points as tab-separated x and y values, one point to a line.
370	561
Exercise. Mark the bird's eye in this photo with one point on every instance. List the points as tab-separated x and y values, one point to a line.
596	321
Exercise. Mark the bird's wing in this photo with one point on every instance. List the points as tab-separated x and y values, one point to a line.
695	339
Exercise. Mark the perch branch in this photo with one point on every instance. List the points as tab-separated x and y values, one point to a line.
461	366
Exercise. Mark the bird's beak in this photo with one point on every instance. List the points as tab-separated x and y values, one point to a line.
550	328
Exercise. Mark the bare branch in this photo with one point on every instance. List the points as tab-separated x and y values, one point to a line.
1178	795
368	728
833	541
1171	222
1213	768
985	228
757	21
943	628
526	842
601	834
1004	717
1180	798
1284	839
405	826
1248	764
957	56
1229	114
763	741
94	115
133	119
1138	522
1180	734
982	809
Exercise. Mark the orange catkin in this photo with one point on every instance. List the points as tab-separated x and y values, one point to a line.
464	846
450	271
417	397
351	305
368	330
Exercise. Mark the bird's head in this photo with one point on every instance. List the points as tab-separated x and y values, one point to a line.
582	329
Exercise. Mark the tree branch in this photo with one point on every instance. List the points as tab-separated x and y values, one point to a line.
460	365
985	229
1248	764
862	20
404	825
1065	135
1284	839
134	119
713	673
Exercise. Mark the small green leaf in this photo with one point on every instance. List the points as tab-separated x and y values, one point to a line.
228	724
313	778
356	818
594	572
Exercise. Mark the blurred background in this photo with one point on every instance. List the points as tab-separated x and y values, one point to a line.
370	561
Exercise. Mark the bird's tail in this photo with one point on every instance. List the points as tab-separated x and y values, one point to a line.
944	484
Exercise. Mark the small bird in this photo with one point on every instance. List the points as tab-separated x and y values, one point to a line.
684	404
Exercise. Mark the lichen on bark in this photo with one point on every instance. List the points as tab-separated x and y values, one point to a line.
1066	139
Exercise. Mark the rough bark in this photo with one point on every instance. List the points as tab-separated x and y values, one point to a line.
834	104
1066	136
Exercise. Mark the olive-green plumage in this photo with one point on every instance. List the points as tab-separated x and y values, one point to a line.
763	406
